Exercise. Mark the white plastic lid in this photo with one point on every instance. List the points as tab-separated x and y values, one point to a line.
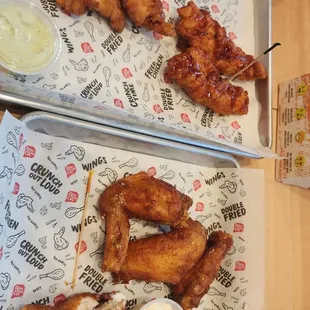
52	28
167	301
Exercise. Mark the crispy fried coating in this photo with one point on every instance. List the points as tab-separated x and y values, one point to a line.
111	10
149	14
77	7
199	29
71	303
166	257
196	283
196	74
137	196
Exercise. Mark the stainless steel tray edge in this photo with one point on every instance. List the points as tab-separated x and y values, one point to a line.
124	124
34	116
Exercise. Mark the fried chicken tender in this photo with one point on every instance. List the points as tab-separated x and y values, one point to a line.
200	30
137	196
195	72
77	7
166	257
111	10
72	303
149	14
196	283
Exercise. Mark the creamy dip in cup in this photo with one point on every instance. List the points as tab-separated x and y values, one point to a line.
29	38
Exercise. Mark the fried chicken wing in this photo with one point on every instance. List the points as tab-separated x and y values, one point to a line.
137	196
194	71
77	7
196	283
166	257
149	14
111	10
200	30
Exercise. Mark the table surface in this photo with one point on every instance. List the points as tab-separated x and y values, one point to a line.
287	212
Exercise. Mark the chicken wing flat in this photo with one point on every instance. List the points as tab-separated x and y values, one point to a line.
196	283
194	71
149	14
166	257
111	10
137	196
77	7
199	29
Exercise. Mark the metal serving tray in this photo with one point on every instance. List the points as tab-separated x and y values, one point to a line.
60	126
263	35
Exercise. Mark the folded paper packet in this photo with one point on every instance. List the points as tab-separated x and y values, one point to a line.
42	187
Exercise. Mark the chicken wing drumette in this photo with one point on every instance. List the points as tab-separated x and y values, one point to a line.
196	283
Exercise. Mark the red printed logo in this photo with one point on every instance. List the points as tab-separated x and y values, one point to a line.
86	47
59	299
240	266
16	188
165	5
21	138
83	247
18	291
126	73
199	207
215	9
235	125
221	137
232	36
70	170
238	227
30	151
157	36
185	118
1	252
72	196
151	171
196	185
119	103
157	108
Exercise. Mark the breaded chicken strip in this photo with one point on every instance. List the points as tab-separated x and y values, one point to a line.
196	74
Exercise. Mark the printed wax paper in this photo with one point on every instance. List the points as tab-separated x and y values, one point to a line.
101	71
43	181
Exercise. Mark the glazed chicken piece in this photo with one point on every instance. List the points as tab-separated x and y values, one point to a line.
77	7
148	14
196	74
137	196
200	30
111	10
166	257
196	283
86	301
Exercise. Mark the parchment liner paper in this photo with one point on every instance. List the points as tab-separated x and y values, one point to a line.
42	187
100	69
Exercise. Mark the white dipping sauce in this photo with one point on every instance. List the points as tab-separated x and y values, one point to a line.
159	306
26	41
